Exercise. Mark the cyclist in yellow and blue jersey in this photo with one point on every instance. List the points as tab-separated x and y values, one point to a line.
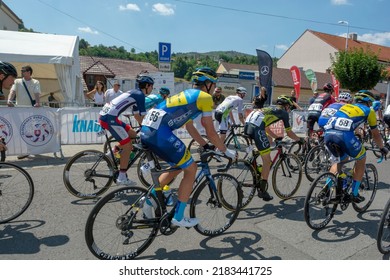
341	141
171	114
256	127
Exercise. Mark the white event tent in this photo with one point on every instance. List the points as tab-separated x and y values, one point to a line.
53	57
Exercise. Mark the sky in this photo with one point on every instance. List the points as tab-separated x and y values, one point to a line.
205	25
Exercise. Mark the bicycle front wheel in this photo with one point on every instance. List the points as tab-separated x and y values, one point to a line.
320	203
383	237
216	209
88	174
239	143
196	149
367	188
246	176
317	162
117	229
16	191
287	176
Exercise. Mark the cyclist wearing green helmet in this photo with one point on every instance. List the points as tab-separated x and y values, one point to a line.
257	127
342	142
157	134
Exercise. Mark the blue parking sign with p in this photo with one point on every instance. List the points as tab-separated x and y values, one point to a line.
164	52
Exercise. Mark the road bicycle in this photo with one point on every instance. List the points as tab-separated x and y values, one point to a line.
121	225
330	190
234	140
302	149
16	191
286	173
383	237
89	174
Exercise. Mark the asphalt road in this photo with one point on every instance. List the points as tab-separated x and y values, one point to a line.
53	227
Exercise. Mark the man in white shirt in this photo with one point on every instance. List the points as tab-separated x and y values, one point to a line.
112	93
26	90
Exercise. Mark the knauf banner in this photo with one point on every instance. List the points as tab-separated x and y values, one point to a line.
80	126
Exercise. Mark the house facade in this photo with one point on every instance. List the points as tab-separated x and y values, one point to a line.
8	19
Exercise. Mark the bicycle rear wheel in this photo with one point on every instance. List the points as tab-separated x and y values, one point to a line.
320	204
88	174
317	162
16	191
287	176
216	210
383	237
298	149
245	174
367	188
239	143
116	228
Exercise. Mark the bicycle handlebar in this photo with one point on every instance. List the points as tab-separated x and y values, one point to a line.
206	154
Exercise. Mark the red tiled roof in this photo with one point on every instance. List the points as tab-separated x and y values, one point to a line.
117	68
338	42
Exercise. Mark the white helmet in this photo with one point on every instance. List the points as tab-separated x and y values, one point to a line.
241	90
345	97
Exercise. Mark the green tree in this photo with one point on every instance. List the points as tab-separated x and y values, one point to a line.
357	69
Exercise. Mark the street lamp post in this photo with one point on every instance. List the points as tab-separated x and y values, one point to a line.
346	40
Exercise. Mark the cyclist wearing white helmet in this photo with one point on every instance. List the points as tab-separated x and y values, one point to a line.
345	97
224	111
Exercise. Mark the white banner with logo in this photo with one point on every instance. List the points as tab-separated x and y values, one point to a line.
299	121
79	126
29	130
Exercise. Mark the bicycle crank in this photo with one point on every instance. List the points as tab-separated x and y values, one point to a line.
166	227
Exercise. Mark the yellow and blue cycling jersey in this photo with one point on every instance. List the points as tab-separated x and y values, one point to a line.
339	129
349	116
169	115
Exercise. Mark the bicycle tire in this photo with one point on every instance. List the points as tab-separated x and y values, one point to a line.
375	148
287	176
318	209
84	182
367	189
246	175
146	179
383	236
110	139
317	162
16	191
215	218
239	143
116	229
297	149
195	149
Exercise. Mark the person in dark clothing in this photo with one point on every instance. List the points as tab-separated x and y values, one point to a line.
259	100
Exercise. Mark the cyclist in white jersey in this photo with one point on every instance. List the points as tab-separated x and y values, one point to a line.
224	111
132	100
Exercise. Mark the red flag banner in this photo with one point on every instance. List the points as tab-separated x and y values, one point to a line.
296	76
335	85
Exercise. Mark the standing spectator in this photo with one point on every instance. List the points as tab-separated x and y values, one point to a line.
218	97
97	94
294	101
259	100
26	90
311	100
52	101
112	93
